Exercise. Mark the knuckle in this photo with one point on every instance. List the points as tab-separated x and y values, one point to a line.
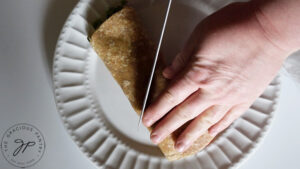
169	97
181	115
197	74
224	125
165	131
203	76
215	116
219	128
207	120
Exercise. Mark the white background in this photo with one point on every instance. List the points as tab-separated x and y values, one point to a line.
28	33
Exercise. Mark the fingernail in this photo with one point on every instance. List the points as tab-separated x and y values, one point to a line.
147	122
155	138
167	71
181	146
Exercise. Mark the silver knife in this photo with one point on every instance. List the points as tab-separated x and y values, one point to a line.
155	61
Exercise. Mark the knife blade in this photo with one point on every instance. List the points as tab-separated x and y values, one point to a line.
155	61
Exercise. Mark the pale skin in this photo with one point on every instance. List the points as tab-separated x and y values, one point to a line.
229	60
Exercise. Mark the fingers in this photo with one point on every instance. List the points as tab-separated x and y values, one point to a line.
176	93
199	126
186	111
229	118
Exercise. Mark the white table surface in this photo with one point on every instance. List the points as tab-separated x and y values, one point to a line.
28	33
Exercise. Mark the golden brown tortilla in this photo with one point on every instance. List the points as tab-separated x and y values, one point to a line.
128	53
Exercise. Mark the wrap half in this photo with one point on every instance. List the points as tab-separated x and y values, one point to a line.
127	52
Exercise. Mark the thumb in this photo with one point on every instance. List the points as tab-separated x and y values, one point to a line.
177	64
182	58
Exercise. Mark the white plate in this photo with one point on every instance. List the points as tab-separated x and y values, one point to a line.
100	119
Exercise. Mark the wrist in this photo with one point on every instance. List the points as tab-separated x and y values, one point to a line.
279	22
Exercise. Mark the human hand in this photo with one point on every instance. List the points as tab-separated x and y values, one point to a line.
226	64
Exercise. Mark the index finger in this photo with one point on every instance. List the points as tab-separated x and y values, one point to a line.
176	93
